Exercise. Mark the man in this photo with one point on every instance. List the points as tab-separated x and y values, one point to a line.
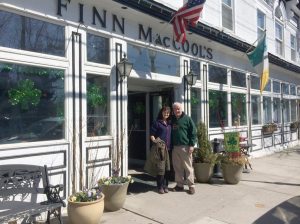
183	138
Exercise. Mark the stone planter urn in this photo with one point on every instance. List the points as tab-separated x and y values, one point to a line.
232	173
115	195
86	212
203	172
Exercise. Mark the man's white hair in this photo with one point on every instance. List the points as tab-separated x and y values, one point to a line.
177	104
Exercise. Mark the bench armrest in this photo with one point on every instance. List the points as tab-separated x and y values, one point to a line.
52	193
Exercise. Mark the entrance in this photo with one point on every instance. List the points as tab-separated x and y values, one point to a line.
143	108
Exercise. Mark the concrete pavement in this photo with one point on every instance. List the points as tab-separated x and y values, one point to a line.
269	194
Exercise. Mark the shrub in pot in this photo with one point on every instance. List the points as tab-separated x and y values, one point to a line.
232	164
204	158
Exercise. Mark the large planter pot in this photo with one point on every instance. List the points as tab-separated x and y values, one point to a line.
115	195
231	173
203	172
86	212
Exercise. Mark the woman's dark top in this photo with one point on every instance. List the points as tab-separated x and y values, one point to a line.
163	131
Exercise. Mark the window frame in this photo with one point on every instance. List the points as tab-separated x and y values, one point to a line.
230	8
260	30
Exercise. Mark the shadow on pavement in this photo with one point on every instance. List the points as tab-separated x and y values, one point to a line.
142	183
287	212
268	182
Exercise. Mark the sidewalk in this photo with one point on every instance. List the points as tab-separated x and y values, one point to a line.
269	194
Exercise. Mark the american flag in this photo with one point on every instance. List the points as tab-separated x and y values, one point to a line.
187	14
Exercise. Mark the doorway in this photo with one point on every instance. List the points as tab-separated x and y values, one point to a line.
143	108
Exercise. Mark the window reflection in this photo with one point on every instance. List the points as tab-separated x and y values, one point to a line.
256	109
255	82
195	67
276	110
148	61
30	34
238	108
217	109
238	79
97	49
217	74
267	109
97	105
196	105
32	103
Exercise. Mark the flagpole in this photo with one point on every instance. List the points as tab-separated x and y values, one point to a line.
255	42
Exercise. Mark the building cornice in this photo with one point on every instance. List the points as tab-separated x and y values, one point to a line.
164	13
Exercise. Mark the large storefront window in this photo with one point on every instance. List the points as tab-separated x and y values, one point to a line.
238	79
147	61
238	109
196	105
97	49
217	109
32	103
267	109
276	110
217	74
97	105
256	109
293	110
29	34
286	110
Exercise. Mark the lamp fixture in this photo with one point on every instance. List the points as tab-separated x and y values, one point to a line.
191	78
124	67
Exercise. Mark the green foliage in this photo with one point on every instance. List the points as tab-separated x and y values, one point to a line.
114	180
95	96
139	108
203	153
86	195
25	95
231	158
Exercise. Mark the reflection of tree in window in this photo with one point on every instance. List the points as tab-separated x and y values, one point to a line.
97	111
238	103
217	109
255	105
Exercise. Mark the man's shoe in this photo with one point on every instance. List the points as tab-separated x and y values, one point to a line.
177	189
191	190
161	191
166	190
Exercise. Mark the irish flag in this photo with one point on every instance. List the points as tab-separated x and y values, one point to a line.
259	60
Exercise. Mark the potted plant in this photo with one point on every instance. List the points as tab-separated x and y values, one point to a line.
204	158
232	164
294	125
115	190
86	206
269	128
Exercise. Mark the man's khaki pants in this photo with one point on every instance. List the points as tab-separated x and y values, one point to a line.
183	165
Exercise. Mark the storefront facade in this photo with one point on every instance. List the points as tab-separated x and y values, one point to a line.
64	104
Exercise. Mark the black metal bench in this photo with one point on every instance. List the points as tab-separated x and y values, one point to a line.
25	193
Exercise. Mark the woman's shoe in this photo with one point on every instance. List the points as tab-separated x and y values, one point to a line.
161	191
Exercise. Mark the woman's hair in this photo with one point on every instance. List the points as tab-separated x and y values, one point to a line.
160	114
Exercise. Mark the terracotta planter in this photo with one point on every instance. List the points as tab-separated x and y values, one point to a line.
203	172
231	173
115	195
86	212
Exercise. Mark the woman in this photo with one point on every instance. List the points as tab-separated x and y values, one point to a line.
161	133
